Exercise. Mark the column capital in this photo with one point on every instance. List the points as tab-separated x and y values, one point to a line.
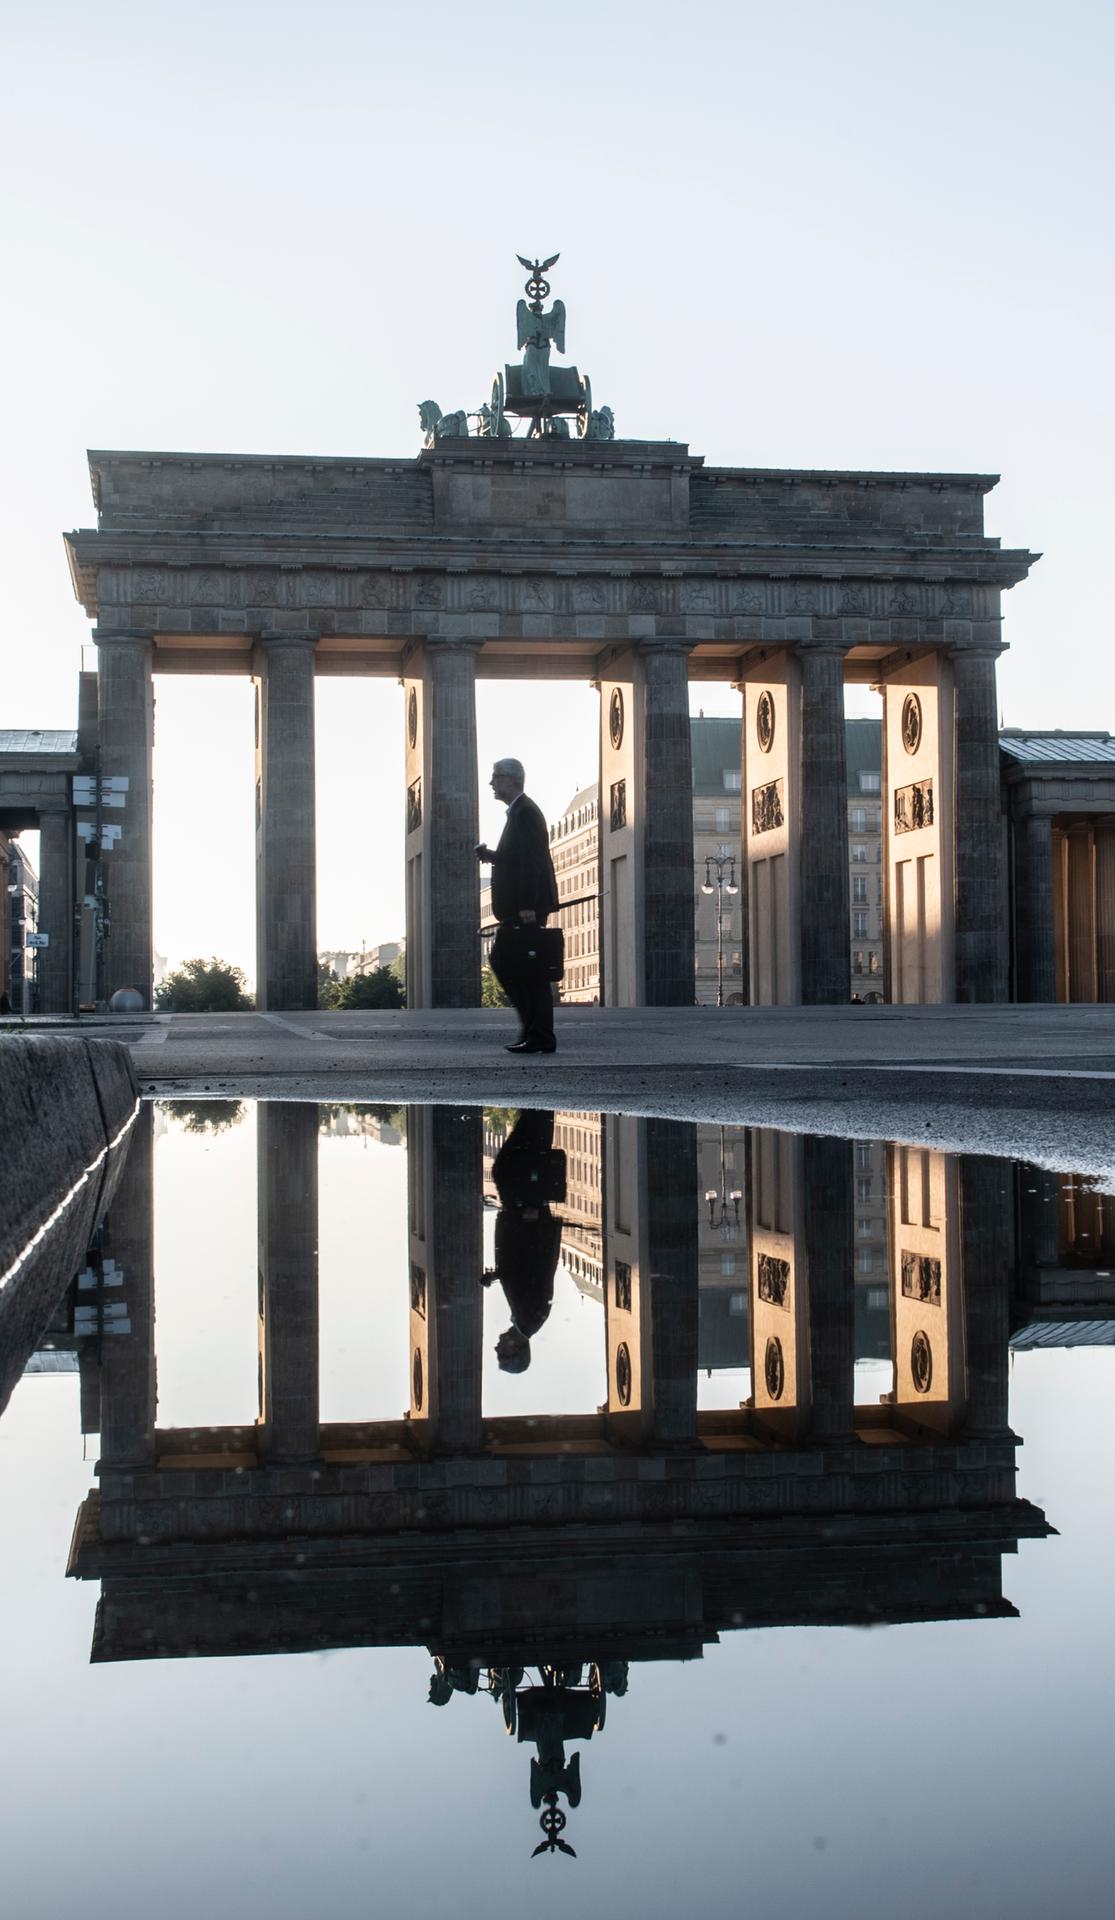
823	647
653	643
958	650
288	637
122	636
449	643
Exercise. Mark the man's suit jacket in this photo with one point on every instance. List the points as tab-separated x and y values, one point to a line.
523	878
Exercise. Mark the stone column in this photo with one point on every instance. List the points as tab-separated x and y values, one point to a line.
987	1252
981	892
827	1188
287	1145
56	910
286	853
1033	877
668	833
1105	910
126	714
646	827
1080	889
127	1372
651	1285
824	829
446	1200
672	1269
443	879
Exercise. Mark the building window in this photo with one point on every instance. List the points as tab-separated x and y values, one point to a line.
859	854
732	781
858	817
877	1298
863	1187
859	887
723	819
865	1259
859	925
873	963
863	1153
857	960
864	1226
869	782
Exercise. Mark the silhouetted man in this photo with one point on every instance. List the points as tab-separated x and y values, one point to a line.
524	893
528	1175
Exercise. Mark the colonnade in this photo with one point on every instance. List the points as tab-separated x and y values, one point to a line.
950	1238
945	896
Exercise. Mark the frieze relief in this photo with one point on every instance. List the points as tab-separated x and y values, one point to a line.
767	809
617	595
536	596
913	806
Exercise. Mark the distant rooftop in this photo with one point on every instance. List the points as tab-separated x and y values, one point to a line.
582	798
37	740
715	747
1053	745
1064	1333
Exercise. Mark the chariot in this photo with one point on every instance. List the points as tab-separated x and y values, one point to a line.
568	393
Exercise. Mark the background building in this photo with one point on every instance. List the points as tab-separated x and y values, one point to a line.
716	831
19	917
718	960
864	746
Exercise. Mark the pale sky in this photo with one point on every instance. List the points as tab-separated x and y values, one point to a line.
862	234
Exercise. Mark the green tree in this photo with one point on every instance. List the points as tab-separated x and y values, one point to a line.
491	993
204	986
204	1116
328	985
378	988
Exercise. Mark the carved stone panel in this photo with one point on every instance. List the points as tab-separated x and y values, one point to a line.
774	1280
913	806
619	805
911	723
764	720
921	1278
767	807
414	806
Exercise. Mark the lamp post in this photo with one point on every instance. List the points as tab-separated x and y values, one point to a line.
723	1206
722	859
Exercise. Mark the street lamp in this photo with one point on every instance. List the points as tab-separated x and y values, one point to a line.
721	859
723	1206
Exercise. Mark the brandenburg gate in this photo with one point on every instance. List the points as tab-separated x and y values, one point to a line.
627	563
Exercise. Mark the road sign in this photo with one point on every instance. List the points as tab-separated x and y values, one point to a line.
38	940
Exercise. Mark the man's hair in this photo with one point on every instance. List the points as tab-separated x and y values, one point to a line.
513	769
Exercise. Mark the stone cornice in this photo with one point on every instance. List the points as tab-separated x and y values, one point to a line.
974	562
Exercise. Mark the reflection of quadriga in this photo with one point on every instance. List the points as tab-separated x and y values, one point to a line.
564	1703
547	398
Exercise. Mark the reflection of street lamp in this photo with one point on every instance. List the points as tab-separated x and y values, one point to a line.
723	1207
723	857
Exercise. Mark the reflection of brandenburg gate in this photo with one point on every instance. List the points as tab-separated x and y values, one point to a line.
626	563
797	1504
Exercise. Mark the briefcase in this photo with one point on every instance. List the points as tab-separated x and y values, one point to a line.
539	949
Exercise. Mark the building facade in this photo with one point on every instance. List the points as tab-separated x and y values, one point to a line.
864	740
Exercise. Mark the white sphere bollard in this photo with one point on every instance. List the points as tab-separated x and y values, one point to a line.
126	1000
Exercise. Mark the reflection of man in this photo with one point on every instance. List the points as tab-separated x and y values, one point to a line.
524	892
527	1175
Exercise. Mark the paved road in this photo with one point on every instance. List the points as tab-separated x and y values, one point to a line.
1039	1081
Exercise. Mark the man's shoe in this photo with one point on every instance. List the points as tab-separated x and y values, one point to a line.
533	1046
519	1046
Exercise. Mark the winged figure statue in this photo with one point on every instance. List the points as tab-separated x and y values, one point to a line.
539	331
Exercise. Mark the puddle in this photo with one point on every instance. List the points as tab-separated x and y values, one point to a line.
440	1489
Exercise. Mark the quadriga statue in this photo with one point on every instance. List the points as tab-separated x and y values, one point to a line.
437	425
